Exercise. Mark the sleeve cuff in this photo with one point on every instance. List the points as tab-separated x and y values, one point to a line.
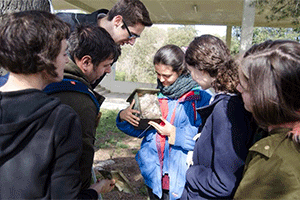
172	137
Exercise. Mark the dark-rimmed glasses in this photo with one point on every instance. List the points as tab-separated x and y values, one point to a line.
131	35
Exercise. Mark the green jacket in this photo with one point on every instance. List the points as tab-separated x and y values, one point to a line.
89	118
272	169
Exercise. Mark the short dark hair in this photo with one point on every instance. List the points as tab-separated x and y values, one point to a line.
171	55
272	73
94	41
132	11
30	41
209	53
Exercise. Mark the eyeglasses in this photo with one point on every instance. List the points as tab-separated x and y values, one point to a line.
131	35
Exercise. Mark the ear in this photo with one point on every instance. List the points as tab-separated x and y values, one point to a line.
118	20
85	63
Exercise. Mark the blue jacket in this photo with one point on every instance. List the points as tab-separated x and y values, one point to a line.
220	151
187	121
3	79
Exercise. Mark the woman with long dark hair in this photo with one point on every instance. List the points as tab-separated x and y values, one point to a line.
163	154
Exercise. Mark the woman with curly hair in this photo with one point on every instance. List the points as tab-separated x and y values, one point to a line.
222	146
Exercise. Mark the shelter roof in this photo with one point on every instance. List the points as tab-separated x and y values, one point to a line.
200	12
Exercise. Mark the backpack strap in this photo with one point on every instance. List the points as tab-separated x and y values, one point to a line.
72	85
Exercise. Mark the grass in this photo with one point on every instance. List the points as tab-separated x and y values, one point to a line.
108	121
110	138
108	135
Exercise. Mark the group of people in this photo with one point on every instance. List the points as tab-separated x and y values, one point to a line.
207	145
240	143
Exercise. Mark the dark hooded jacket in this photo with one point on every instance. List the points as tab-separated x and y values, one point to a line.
40	146
75	19
220	151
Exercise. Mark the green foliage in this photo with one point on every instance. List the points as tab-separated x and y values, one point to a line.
122	146
266	33
280	9
120	76
235	46
144	191
107	134
108	122
134	151
136	61
261	34
181	36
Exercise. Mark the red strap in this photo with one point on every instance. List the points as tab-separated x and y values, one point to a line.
161	139
194	109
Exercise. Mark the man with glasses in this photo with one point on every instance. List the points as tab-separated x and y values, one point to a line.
125	22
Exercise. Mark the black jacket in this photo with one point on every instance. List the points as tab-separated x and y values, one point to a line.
40	146
75	19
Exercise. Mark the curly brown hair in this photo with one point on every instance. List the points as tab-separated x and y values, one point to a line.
209	53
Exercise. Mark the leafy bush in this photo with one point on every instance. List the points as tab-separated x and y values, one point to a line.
120	76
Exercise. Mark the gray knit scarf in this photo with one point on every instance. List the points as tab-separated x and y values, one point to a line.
182	85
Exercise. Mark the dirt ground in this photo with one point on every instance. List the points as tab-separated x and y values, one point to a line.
124	161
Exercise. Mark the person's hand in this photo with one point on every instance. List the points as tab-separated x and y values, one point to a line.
103	186
167	129
128	115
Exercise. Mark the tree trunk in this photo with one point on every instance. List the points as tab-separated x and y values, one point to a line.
7	6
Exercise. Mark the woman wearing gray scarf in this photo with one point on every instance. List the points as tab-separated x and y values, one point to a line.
163	153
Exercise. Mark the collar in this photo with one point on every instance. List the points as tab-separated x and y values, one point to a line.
268	145
72	71
294	133
205	111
